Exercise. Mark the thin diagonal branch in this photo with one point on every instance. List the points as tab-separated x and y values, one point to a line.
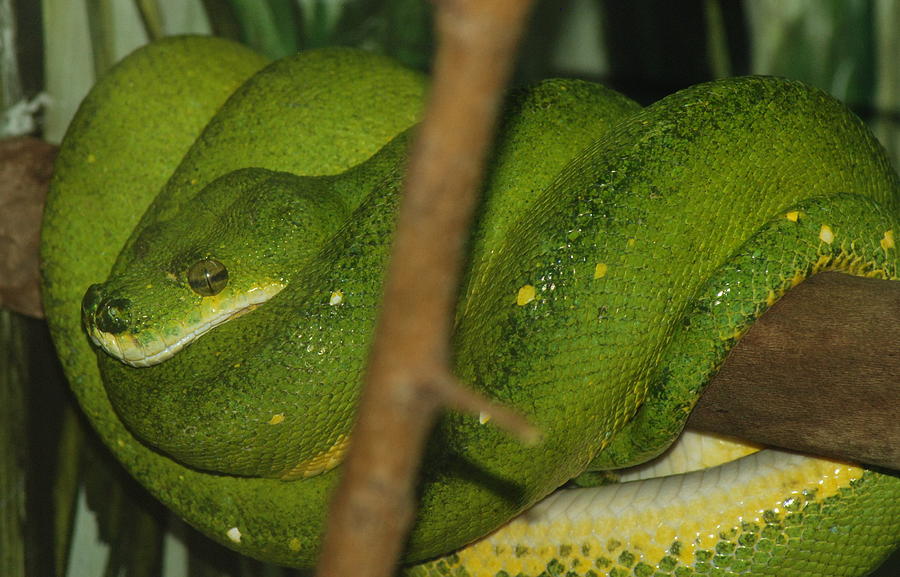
373	507
458	397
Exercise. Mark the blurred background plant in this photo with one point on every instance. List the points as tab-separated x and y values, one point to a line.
66	507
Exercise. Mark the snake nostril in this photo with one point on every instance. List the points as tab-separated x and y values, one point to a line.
112	315
89	302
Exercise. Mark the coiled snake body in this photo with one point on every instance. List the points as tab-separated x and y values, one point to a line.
241	216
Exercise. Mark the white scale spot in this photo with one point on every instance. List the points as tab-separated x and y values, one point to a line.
234	535
337	297
826	235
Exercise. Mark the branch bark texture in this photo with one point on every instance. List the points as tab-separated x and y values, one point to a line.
25	167
409	375
818	373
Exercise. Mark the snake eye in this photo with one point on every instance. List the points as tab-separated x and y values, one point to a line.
207	277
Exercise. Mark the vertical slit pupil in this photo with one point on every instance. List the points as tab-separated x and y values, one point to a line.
207	277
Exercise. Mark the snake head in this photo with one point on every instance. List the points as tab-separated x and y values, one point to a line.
135	332
223	254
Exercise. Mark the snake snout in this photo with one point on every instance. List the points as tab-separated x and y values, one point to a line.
110	315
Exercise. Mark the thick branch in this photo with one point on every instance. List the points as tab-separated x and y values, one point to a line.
25	167
818	373
408	374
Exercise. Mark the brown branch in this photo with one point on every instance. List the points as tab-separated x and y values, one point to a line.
25	167
818	373
409	367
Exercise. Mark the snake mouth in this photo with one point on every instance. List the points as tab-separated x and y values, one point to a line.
152	347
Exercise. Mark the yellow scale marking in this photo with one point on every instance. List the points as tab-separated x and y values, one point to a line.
321	463
525	295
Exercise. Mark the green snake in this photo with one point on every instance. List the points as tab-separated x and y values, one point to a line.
213	252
